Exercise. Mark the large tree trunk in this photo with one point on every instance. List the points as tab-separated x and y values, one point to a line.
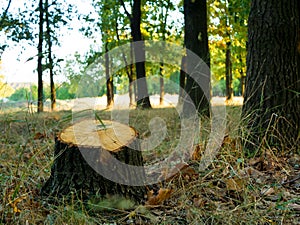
40	102
94	159
196	40
271	103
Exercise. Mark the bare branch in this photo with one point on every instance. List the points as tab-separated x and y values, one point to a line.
5	12
126	11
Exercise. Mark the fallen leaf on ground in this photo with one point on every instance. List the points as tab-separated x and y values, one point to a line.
39	135
181	169
162	195
15	202
196	155
235	184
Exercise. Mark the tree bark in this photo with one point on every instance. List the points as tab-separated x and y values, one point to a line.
164	17
139	53
229	91
109	80
196	40
182	77
40	105
50	59
242	78
271	103
143	100
85	162
161	84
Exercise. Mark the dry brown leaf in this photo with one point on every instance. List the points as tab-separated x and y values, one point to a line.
39	135
180	169
196	155
163	194
229	142
234	184
15	202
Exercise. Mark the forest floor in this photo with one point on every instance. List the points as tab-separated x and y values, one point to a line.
234	189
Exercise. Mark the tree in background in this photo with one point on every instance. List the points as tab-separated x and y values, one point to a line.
159	12
272	101
108	16
227	40
139	53
50	59
196	40
55	18
40	105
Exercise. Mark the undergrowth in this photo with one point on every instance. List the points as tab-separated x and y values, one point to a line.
234	189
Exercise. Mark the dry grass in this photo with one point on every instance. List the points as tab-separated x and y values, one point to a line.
233	190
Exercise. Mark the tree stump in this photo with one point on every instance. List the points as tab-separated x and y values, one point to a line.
92	158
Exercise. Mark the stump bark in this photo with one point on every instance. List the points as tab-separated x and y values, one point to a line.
91	159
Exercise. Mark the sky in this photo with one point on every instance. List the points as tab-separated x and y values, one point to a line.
15	66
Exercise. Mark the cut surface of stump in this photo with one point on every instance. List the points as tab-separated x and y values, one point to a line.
97	158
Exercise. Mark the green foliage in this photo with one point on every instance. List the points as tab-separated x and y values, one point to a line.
63	92
20	94
228	23
5	89
219	87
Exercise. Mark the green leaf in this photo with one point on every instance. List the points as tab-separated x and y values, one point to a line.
99	119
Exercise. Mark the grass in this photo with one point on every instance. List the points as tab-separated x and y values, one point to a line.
233	190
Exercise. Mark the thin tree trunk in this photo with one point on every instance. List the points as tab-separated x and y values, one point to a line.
161	84
182	77
228	63
50	59
40	106
242	79
163	31
129	71
139	53
131	78
109	80
196	41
